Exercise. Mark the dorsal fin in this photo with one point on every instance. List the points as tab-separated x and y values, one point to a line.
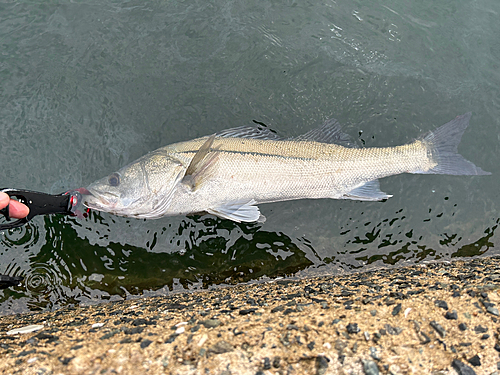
258	132
329	132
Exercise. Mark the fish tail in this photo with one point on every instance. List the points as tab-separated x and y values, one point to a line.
442	146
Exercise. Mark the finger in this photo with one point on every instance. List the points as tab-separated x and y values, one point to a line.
17	210
4	200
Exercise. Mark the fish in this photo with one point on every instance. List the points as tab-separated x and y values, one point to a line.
230	173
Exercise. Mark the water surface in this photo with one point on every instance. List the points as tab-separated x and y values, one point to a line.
87	87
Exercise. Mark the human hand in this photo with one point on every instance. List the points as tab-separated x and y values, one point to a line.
17	210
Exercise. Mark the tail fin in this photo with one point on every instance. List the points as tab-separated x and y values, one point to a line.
443	143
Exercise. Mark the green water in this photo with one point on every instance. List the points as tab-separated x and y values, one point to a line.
86	87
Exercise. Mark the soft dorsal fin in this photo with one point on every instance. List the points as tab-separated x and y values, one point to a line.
329	132
258	132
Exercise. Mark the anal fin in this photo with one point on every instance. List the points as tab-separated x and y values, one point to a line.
238	212
369	191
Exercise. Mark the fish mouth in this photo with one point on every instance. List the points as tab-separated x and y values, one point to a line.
99	201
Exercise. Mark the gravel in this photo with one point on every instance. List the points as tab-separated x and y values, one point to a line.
344	324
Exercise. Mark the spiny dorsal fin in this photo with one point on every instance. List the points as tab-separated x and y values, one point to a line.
329	132
259	132
200	164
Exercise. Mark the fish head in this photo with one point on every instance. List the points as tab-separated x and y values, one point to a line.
141	189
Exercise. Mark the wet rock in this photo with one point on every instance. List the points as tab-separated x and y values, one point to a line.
247	311
65	360
352	328
26	352
133	331
285	339
195	328
438	328
174	306
309	290
493	310
451	315
221	347
480	329
210	323
475	361
267	363
140	321
321	364
370	367
276	362
441	304
392	330
396	309
389	302
145	343
109	334
462	368
374	354
171	338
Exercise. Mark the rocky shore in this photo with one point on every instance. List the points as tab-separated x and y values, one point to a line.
440	318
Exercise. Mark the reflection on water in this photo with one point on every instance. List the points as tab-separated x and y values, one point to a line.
478	247
69	269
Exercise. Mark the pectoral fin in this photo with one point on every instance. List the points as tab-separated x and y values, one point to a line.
370	191
198	169
238	211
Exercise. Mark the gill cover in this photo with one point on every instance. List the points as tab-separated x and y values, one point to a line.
142	189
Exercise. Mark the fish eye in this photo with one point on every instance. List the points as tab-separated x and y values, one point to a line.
114	179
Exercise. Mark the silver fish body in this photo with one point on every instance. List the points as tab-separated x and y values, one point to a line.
230	173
